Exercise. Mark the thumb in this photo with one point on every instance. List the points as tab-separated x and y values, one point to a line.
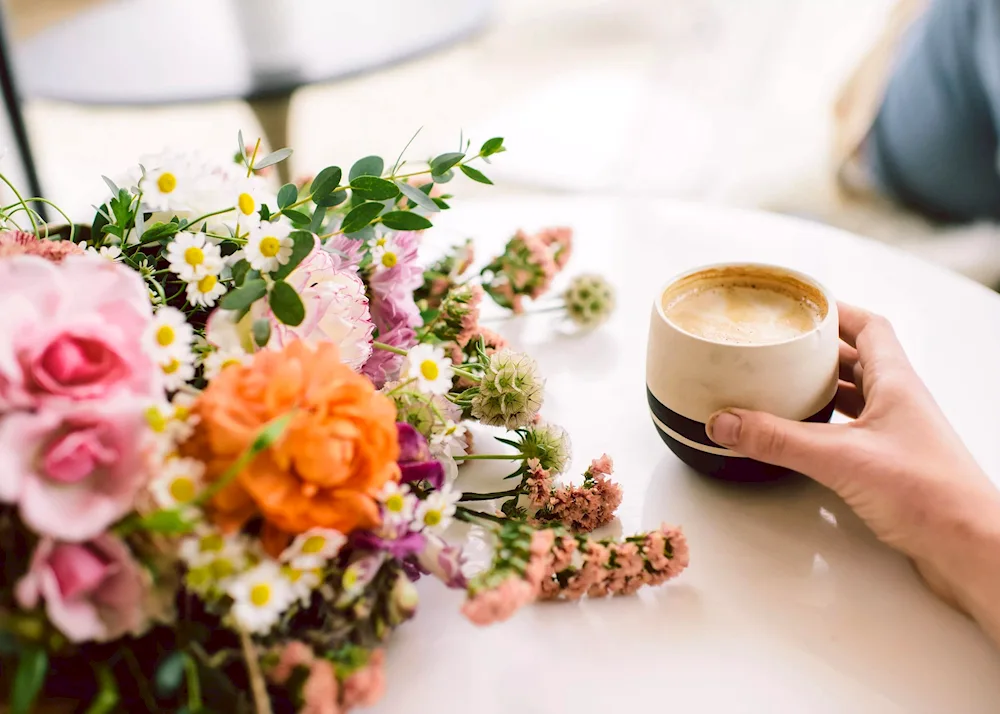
808	448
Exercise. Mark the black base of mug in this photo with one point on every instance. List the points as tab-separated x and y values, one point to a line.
728	468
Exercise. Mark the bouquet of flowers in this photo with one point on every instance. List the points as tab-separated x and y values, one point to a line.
231	420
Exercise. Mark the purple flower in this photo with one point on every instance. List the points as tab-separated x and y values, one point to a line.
415	460
382	365
399	548
443	561
395	285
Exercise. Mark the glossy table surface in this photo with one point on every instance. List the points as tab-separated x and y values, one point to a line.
790	604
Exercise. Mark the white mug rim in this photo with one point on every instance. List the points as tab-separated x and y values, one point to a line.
830	310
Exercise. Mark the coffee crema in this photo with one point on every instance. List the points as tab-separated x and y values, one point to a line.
744	306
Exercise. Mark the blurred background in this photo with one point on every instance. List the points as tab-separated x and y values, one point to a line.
728	102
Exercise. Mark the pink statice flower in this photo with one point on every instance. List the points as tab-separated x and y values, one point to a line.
291	656
524	269
20	243
560	243
581	508
365	687
499	603
93	591
72	331
320	692
73	471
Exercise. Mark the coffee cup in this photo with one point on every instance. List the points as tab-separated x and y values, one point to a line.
741	335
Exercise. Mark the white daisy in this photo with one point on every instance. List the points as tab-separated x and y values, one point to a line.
182	404
177	370
178	483
217	360
314	548
166	183
268	245
168	335
260	596
108	252
192	256
450	439
436	511
357	576
249	194
303	582
430	367
226	555
398	504
205	291
384	254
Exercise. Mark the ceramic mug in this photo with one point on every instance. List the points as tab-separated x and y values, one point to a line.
689	378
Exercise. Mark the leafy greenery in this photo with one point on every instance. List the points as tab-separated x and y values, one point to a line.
32	665
374	189
324	183
405	221
475	174
287	195
368	166
244	297
286	304
361	216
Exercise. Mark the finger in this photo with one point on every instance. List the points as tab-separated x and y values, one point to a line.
850	401
805	447
852	322
848	361
877	342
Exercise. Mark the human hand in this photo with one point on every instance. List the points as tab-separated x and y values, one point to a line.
899	465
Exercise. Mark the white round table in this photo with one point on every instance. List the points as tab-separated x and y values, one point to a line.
790	604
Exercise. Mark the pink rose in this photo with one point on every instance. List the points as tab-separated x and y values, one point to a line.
73	471
92	591
72	331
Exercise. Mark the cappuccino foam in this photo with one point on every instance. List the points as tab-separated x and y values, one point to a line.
742	311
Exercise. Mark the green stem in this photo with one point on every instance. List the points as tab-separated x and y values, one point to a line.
402	385
389	348
467	514
258	687
253	158
463	373
490	457
199	219
489	496
339	233
193	685
20	200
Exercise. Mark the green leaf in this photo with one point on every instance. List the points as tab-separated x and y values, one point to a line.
32	666
417	196
243	147
287	195
170	673
261	331
270	433
272	158
474	174
167	521
297	217
286	304
492	146
366	233
405	221
317	220
265	212
429	315
441	164
111	185
443	178
441	203
361	216
368	166
107	697
325	181
239	270
373	188
245	296
334	199
158	231
303	243
8	644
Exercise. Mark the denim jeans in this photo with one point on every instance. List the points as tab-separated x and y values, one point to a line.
934	142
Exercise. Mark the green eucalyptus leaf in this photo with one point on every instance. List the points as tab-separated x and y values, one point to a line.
265	212
441	203
373	188
443	178
273	158
170	673
441	164
286	304
334	199
475	174
361	216
159	231
287	195
239	271
303	243
417	196
297	217
405	221
243	147
368	166
317	220
325	181
32	666
245	296
492	146
367	233
261	331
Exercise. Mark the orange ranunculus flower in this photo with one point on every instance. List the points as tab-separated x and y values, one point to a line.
334	456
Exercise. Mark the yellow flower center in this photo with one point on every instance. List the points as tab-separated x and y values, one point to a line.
181	412
432	518
167	182
194	256
211	543
165	335
260	594
389	260
229	363
291	573
182	489
206	284
313	544
429	369
380	242
246	204
157	422
222	568
171	366
395	503
269	246
350	578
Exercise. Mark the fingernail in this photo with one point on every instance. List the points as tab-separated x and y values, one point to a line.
724	428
